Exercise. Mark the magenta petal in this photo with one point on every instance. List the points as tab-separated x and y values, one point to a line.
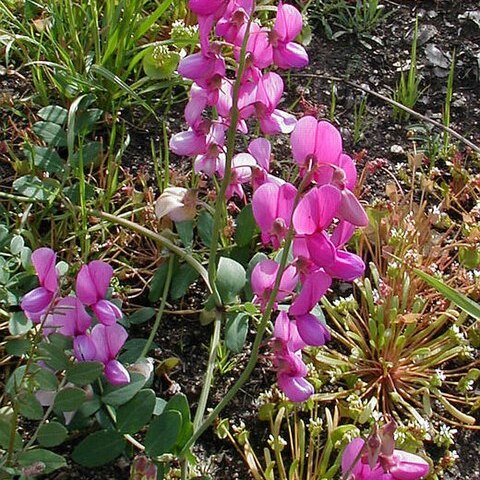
297	389
188	143
106	312
259	47
281	329
196	105
313	289
321	249
311	330
193	66
351	210
84	348
328	143
85	287
350	454
116	373
116	337
288	282
43	259
290	55
206	7
261	150
264	205
303	139
263	276
71	317
288	23
348	166
342	233
35	303
278	122
270	90
408	466
347	266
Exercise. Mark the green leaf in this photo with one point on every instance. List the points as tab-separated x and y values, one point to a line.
30	407
52	434
33	187
54	135
73	192
236	331
87	119
179	403
116	396
246	226
163	433
83	373
90	155
5	429
53	113
17	346
459	299
158	282
51	460
136	413
185	232
159	406
183	277
45	379
142	315
231	278
69	399
45	158
54	356
205	227
19	324
133	349
16	244
99	448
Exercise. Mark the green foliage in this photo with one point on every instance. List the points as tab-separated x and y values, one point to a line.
408	90
99	448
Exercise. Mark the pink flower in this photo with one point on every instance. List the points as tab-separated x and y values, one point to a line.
205	68
234	18
263	281
288	25
272	206
91	288
208	12
36	303
398	466
69	318
208	161
319	145
193	141
108	341
178	203
241	173
291	370
269	92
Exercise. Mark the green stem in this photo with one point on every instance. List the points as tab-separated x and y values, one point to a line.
161	309
258	337
157	237
202	402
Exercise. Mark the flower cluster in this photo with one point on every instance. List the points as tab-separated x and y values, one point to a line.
329	176
377	459
259	92
69	316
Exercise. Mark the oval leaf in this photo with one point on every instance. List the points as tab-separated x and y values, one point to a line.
99	448
133	415
52	434
163	433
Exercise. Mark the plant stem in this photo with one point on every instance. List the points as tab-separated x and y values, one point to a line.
157	237
161	309
259	335
202	402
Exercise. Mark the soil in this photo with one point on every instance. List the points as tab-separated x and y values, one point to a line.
372	62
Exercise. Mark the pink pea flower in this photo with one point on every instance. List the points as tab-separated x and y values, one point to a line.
318	145
68	318
208	12
200	98
108	341
291	370
193	141
208	161
235	17
272	206
92	284
288	25
204	68
241	173
269	92
263	281
36	303
398	466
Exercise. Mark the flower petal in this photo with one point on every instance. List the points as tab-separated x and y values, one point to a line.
43	259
